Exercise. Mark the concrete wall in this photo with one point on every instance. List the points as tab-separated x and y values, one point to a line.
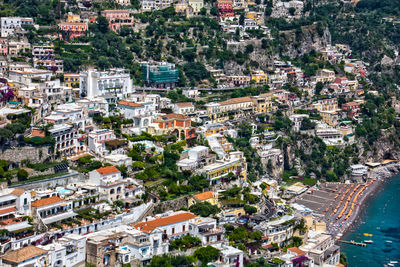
34	154
72	177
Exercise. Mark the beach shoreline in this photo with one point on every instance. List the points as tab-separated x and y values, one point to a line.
381	176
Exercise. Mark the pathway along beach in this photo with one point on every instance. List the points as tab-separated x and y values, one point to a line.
380	217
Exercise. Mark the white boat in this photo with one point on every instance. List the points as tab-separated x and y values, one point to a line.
394	262
390	264
368	241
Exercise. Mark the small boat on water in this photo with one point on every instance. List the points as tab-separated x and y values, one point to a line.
388	241
366	234
390	264
368	241
393	262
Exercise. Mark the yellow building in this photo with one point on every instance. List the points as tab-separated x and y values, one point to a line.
315	224
330	117
233	108
259	77
214	129
196	5
220	170
209	196
71	79
73	18
329	104
263	103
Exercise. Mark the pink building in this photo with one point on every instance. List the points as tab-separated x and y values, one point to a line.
3	46
69	30
118	18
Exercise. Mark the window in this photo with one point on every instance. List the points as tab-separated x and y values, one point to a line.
173	230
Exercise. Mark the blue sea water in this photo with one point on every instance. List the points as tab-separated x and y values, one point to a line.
381	218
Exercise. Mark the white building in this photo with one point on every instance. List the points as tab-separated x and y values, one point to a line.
191	93
111	84
297	120
321	248
68	251
71	113
10	24
97	139
173	224
109	182
207	231
94	106
229	256
184	108
358	170
141	113
29	76
119	159
278	231
150	5
51	210
66	137
43	52
14	205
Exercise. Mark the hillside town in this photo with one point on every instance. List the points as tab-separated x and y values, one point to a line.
176	161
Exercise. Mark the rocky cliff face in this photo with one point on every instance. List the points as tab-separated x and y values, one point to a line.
263	58
299	42
387	147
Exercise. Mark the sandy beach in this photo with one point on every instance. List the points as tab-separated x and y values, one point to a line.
339	204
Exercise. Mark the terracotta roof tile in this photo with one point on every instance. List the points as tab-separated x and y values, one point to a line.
185	104
149	226
46	201
172	116
23	254
129	104
18	192
297	251
204	195
38	133
107	170
7	210
236	100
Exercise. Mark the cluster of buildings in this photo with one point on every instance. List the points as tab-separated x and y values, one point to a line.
99	217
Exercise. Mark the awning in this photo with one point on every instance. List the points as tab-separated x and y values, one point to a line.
7	198
59	217
17	226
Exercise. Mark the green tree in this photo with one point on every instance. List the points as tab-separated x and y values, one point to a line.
206	254
102	24
250	209
204	209
318	88
22	175
214	11
241	19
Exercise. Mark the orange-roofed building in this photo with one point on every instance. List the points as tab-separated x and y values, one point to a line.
209	196
297	252
70	30
26	256
174	226
352	108
176	124
38	133
51	210
109	182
